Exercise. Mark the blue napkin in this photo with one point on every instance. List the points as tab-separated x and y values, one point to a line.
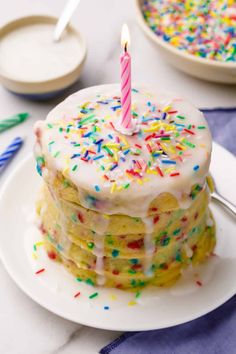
214	333
222	123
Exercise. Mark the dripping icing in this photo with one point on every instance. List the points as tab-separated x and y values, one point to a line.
148	245
99	252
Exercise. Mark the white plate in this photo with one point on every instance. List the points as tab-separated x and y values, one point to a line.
54	288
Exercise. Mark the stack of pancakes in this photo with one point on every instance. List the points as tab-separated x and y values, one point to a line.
145	233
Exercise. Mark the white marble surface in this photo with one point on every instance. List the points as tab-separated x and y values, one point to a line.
25	327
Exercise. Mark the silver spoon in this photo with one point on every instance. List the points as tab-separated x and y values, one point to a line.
65	18
222	200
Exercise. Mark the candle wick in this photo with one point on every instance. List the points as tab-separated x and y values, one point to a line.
125	47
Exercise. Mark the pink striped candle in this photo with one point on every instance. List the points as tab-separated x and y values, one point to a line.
125	64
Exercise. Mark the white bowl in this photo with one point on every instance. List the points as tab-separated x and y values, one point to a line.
199	67
46	88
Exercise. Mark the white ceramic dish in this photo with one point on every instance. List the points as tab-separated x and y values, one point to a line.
54	288
42	89
199	67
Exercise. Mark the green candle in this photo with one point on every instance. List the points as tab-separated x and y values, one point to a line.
12	121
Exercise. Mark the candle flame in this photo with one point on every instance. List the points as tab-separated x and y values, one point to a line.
125	36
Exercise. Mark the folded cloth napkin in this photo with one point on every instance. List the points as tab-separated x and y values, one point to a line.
214	333
222	123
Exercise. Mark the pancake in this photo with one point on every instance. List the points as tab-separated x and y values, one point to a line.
125	211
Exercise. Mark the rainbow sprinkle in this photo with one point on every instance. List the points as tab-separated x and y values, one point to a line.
92	296
132	303
204	28
38	244
164	141
40	271
77	294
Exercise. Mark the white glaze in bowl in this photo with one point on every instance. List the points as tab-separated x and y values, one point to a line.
41	83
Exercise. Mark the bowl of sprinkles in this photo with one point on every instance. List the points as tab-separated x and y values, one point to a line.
197	37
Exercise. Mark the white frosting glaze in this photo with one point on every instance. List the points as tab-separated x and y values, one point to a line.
127	131
99	252
149	245
209	219
59	150
188	250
